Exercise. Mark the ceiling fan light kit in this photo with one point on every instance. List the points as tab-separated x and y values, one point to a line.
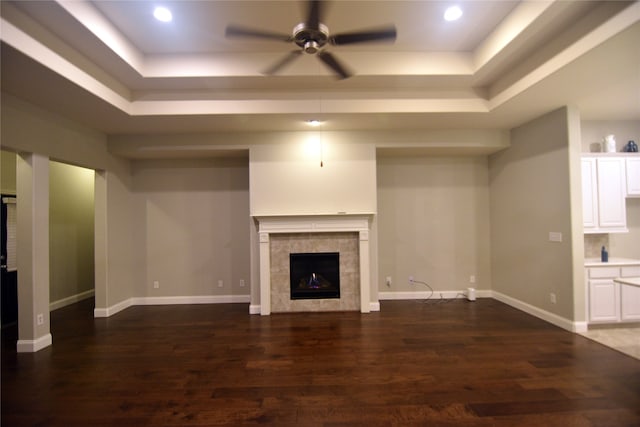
311	37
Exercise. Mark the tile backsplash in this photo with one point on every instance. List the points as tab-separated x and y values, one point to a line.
593	243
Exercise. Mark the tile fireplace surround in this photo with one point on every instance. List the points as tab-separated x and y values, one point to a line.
281	235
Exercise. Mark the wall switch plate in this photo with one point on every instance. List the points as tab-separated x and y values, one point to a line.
472	279
40	319
220	283
242	283
555	236
156	284
388	281
552	297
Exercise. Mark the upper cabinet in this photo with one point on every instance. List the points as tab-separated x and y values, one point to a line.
633	176
604	188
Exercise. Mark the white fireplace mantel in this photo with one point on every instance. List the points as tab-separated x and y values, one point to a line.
271	224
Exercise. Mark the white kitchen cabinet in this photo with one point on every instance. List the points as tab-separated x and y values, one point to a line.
590	193
604	189
633	176
603	298
608	300
629	302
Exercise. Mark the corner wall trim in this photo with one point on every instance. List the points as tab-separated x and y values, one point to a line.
31	346
71	300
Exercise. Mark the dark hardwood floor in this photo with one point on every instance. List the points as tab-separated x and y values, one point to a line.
412	364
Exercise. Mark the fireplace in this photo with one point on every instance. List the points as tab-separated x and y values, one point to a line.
345	234
314	275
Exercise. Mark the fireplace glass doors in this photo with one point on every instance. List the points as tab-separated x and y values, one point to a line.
315	275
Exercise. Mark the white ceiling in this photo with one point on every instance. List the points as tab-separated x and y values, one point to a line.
111	66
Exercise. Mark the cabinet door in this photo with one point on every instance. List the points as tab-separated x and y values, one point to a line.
633	177
629	302
589	193
611	192
603	301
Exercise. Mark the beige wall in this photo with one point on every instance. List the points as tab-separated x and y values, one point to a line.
192	227
287	177
7	172
625	245
433	222
71	242
529	197
26	128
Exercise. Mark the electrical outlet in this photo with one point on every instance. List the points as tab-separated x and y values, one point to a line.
40	319
156	284
242	283
388	281
220	283
472	279
411	280
552	297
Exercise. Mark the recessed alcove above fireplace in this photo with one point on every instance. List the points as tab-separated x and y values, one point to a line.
345	235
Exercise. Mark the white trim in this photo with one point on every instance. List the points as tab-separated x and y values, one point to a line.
116	308
254	309
31	346
537	312
196	299
177	300
374	306
71	300
407	295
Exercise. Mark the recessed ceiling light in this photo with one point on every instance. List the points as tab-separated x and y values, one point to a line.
452	13
162	14
313	123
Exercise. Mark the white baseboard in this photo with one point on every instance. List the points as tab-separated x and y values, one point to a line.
110	311
374	306
71	300
31	346
547	316
254	309
196	299
428	294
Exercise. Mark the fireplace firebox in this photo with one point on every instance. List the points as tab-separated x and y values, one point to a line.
314	275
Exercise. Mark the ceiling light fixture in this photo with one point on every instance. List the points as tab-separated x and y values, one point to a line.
162	14
314	123
452	13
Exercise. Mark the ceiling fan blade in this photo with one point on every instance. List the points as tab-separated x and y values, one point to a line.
333	63
239	31
290	57
382	34
313	19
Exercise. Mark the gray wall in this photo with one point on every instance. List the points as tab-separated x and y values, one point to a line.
433	222
530	196
192	227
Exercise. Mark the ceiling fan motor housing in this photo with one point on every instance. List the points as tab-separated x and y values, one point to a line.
311	40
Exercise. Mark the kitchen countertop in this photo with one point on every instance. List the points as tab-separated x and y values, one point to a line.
635	281
615	262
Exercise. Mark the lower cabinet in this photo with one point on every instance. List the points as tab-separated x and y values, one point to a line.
604	300
629	302
610	301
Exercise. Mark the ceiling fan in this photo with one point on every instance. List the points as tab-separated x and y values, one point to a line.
311	37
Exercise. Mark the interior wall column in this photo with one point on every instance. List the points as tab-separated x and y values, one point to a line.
100	245
265	275
32	184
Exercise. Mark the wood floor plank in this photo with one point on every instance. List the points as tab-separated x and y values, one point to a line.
411	364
